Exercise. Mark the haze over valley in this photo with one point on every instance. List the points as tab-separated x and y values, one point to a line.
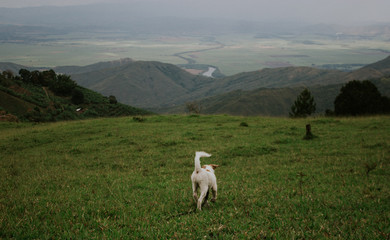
231	36
197	49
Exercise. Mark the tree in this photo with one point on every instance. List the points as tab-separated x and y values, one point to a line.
360	98
77	96
304	105
47	77
112	99
63	85
8	74
25	74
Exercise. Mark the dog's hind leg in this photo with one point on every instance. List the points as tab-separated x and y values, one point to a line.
214	189
195	190
203	193
205	198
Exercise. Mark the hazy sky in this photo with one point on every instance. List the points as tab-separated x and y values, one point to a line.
347	11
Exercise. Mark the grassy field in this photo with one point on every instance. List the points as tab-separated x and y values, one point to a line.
240	53
130	178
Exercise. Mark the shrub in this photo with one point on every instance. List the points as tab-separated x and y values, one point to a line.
112	99
244	124
193	107
360	98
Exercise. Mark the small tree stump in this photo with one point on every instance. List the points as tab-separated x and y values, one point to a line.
308	129
308	135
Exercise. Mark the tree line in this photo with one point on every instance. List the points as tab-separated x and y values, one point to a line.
356	98
60	84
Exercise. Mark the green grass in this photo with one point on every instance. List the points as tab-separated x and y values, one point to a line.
122	178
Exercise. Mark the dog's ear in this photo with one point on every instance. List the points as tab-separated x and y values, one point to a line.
214	166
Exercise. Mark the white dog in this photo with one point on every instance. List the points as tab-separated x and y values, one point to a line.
204	179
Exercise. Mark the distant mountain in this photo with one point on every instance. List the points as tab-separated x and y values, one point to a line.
165	87
93	67
14	67
157	85
374	70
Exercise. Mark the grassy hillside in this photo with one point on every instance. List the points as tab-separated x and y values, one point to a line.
376	69
160	86
280	77
32	101
92	67
157	85
143	84
274	101
119	178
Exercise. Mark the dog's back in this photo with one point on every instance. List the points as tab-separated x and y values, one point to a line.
203	178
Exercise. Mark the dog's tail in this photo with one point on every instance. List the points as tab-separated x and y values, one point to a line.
198	155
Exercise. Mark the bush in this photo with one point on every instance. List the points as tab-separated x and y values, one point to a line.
360	98
112	99
244	124
193	107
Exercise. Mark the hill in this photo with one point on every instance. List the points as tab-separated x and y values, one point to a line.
161	86
13	67
166	88
93	67
144	84
46	96
273	101
279	78
374	70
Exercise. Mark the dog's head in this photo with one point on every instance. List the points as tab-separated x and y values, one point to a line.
210	167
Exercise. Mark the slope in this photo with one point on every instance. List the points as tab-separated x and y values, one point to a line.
143	84
374	70
274	101
30	100
161	87
279	77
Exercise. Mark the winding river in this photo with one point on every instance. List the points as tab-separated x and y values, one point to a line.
209	72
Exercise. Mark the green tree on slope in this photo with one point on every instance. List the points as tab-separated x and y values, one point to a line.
304	105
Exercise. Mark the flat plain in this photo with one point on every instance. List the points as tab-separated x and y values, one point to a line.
114	178
231	53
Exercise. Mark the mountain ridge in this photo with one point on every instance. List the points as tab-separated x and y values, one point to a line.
164	88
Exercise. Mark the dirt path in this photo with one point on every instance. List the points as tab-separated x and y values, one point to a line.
47	95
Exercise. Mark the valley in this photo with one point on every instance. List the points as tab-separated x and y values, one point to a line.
160	63
230	53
